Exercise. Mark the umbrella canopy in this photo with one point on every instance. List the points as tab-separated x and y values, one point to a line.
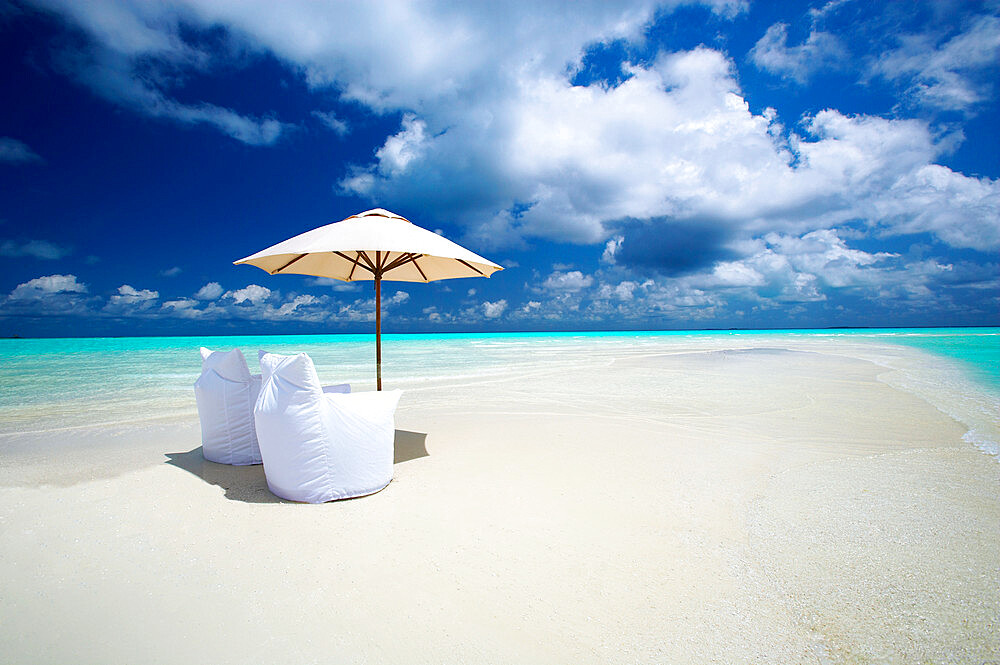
372	245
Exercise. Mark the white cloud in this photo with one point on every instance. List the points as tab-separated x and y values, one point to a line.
297	302
337	125
185	308
567	281
773	54
625	290
180	303
530	306
138	52
42	287
398	298
210	291
676	141
172	271
129	295
130	300
611	249
493	310
814	271
13	151
39	249
945	75
438	55
401	149
736	273
252	293
495	137
962	211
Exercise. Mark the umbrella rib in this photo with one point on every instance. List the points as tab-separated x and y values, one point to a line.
353	261
398	261
471	267
300	256
402	259
417	266
368	260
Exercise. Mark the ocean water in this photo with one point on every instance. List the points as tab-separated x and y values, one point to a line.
54	384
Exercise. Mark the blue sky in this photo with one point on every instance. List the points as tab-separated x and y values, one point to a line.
633	165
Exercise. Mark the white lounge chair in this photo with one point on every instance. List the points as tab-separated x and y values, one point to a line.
319	446
226	393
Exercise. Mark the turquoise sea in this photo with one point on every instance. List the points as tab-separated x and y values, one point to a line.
53	384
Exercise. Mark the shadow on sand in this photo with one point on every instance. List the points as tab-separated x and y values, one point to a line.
409	446
247	483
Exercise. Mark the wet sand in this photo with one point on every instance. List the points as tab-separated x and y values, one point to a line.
732	506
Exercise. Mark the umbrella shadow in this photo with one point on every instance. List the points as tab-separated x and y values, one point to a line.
248	484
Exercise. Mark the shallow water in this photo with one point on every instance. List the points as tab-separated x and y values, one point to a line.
51	384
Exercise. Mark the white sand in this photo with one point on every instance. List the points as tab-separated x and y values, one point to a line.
759	506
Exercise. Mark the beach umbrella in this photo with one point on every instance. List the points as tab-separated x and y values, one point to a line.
372	245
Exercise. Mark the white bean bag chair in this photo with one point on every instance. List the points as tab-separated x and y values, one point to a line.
319	446
226	393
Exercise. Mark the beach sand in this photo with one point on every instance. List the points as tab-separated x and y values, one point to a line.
759	505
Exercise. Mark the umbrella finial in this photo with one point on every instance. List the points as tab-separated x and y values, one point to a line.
380	212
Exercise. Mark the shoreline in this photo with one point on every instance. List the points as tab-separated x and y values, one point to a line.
950	384
628	331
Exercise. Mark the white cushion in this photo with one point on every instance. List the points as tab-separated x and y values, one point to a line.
338	388
319	446
226	393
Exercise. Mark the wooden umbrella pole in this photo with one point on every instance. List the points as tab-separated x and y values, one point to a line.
378	329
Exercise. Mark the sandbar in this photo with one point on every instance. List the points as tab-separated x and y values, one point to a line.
724	505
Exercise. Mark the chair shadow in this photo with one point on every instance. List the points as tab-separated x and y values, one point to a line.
241	483
247	483
409	446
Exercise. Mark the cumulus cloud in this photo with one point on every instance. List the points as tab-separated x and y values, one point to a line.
129	295
38	249
51	295
773	54
393	158
816	272
185	308
13	151
300	301
253	293
210	291
398	298
130	300
611	248
138	50
495	136
493	310
42	287
675	142
573	280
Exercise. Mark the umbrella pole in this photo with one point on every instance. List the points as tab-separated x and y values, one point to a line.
378	330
